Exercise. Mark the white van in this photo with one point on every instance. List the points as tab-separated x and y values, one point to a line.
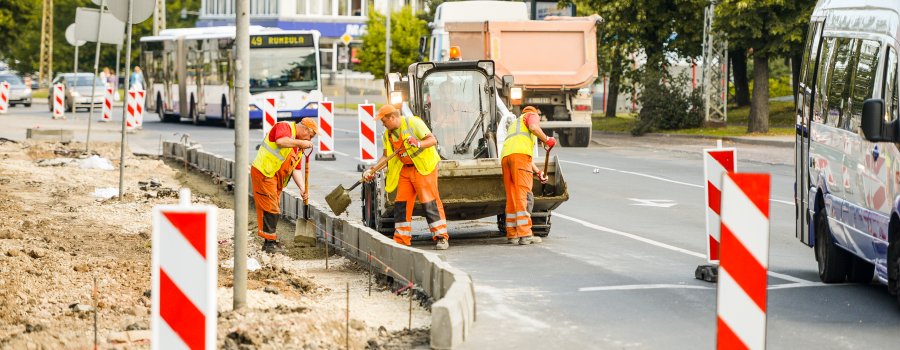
847	157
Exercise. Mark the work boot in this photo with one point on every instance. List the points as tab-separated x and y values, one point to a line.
530	240
272	247
512	240
442	244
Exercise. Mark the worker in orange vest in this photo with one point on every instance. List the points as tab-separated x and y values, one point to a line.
518	170
413	174
278	156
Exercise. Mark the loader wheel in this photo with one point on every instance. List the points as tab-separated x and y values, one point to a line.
540	223
371	209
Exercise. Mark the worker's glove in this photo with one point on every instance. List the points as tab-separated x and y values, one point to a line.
412	141
542	177
369	175
550	143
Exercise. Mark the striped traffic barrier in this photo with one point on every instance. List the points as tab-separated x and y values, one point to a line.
59	101
184	276
270	115
367	147
4	97
744	262
107	105
716	162
130	110
326	131
139	110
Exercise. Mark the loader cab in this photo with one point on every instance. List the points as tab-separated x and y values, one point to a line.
457	102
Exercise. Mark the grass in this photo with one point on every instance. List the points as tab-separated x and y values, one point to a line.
781	122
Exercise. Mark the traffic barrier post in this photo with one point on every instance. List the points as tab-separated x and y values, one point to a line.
744	262
184	276
107	105
326	131
4	97
367	146
59	101
270	115
716	162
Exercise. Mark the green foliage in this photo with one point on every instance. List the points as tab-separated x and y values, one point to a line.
666	105
406	29
770	27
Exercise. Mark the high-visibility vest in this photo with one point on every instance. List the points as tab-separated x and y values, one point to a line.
518	139
270	156
425	159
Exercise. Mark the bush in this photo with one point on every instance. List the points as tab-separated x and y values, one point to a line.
665	105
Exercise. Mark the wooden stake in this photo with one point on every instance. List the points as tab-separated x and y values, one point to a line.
347	329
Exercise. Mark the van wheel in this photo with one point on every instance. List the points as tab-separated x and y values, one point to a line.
832	260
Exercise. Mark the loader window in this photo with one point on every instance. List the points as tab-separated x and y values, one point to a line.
456	107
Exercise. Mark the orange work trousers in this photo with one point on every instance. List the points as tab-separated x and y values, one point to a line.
413	185
517	179
267	195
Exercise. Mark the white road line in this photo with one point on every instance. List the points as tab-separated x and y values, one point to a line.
662	245
641	286
347	130
656	178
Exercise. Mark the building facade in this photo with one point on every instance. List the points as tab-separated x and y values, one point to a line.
332	18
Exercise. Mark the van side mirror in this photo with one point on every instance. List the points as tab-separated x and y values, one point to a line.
873	126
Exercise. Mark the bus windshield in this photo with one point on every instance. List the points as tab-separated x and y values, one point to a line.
283	69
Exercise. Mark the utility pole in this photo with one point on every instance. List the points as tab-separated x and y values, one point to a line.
45	72
241	149
387	42
715	70
159	17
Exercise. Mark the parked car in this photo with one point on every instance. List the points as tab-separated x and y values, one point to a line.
19	93
78	90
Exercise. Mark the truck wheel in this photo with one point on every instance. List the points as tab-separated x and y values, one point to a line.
582	137
540	223
832	260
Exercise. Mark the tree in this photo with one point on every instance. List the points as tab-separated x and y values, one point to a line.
739	72
769	28
406	29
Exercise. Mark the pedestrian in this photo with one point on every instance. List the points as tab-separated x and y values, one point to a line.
136	81
518	170
413	174
278	156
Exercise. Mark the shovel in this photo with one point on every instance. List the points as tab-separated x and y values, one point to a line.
305	230
339	198
547	190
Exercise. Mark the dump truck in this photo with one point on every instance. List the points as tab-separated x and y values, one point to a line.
461	105
553	63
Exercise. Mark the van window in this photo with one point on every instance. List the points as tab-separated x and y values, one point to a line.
825	67
892	105
809	55
838	87
863	81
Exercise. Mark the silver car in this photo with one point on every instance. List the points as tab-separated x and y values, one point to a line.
78	90
19	93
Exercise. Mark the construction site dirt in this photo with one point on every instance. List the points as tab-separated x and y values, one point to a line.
70	250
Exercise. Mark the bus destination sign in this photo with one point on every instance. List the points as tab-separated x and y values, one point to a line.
281	40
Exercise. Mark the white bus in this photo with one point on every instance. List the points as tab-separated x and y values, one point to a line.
189	73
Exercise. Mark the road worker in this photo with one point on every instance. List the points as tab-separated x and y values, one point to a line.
518	170
413	174
278	156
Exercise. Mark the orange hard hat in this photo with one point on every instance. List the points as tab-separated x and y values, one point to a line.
310	124
384	111
529	109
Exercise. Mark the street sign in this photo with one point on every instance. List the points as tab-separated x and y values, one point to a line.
70	36
140	9
87	21
346	39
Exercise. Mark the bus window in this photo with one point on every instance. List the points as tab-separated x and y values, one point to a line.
825	66
863	81
838	89
890	86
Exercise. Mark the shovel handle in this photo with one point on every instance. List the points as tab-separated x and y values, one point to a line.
354	186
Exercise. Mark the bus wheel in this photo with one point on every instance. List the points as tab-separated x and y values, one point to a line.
193	112
226	115
159	110
832	260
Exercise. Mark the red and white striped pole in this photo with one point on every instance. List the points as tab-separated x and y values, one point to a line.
107	105
131	109
270	115
326	131
59	101
4	97
367	146
139	110
184	276
716	162
744	262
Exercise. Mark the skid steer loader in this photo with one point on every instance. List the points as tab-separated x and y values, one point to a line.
461	104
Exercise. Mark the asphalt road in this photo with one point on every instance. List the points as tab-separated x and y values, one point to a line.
615	272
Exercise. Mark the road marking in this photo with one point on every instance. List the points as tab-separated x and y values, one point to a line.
597	168
347	130
663	245
658	203
641	286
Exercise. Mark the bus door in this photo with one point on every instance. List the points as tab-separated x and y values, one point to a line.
805	102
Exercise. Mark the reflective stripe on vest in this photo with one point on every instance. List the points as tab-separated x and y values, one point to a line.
270	156
519	140
425	159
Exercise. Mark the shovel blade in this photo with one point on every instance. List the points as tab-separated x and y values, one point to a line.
338	200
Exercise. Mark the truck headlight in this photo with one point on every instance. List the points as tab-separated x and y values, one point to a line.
515	93
396	97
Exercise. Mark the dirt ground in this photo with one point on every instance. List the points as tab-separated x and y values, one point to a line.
58	243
